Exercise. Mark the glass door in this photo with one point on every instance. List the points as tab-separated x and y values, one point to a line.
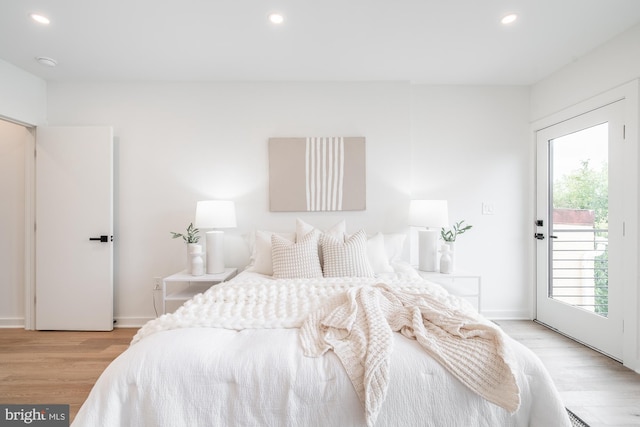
579	228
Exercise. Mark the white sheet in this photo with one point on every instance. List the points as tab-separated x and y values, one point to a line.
260	377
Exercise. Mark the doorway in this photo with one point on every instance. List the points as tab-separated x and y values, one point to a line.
580	227
14	142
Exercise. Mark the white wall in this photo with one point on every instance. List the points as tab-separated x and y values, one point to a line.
12	220
612	64
179	143
607	69
469	146
22	95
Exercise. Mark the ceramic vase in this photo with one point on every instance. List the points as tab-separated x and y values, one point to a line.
197	261
190	248
446	259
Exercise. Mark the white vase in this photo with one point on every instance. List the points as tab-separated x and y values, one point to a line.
452	254
191	247
446	260
197	263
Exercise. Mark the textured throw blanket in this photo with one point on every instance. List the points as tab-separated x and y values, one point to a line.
358	327
357	320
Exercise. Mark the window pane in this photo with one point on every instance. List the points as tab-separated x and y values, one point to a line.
579	177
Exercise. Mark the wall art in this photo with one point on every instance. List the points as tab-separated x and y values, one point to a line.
317	174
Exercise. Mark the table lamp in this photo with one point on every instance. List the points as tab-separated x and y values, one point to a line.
432	214
215	214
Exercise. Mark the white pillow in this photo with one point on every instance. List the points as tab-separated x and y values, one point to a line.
378	257
294	260
302	229
261	255
346	258
394	246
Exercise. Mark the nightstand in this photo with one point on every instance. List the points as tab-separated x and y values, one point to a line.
464	285
195	285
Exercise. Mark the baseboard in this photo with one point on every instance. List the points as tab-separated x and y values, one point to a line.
138	322
17	322
131	322
506	315
121	322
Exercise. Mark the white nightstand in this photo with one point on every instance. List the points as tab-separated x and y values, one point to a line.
195	285
465	285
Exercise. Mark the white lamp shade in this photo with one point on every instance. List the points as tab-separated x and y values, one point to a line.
215	214
429	213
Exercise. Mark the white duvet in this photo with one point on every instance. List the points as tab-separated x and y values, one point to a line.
207	376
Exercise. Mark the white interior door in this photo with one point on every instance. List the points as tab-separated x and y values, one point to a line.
580	228
74	203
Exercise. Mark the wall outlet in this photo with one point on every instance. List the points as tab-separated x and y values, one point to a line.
157	283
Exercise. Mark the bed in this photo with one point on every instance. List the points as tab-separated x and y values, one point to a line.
378	347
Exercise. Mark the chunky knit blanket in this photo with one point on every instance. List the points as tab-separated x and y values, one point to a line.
358	327
271	304
356	319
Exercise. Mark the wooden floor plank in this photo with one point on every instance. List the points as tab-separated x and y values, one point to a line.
598	389
53	367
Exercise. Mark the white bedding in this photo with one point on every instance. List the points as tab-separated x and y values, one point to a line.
206	376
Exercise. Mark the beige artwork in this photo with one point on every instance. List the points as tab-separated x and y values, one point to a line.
317	174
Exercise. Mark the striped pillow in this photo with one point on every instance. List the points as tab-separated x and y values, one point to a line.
296	260
346	258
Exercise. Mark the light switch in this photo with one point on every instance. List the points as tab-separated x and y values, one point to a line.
487	208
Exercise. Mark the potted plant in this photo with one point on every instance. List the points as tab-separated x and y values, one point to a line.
449	235
191	239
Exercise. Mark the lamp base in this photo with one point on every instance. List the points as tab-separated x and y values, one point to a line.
215	252
428	250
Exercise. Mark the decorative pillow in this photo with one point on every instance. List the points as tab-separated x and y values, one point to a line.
294	260
338	231
377	254
261	254
346	258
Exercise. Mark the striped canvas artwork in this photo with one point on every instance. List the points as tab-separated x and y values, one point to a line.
324	173
317	174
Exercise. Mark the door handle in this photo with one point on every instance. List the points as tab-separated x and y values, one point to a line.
102	239
540	236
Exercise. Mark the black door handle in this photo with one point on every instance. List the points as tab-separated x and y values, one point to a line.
540	236
102	239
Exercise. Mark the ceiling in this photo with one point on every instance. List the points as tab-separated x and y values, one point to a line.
422	41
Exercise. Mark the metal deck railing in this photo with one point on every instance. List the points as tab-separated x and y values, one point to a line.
579	273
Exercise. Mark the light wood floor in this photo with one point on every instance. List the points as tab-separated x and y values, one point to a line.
601	391
56	367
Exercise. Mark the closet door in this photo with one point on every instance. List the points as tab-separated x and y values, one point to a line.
74	228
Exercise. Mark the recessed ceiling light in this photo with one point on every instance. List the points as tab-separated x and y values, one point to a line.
509	19
46	61
276	18
41	19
